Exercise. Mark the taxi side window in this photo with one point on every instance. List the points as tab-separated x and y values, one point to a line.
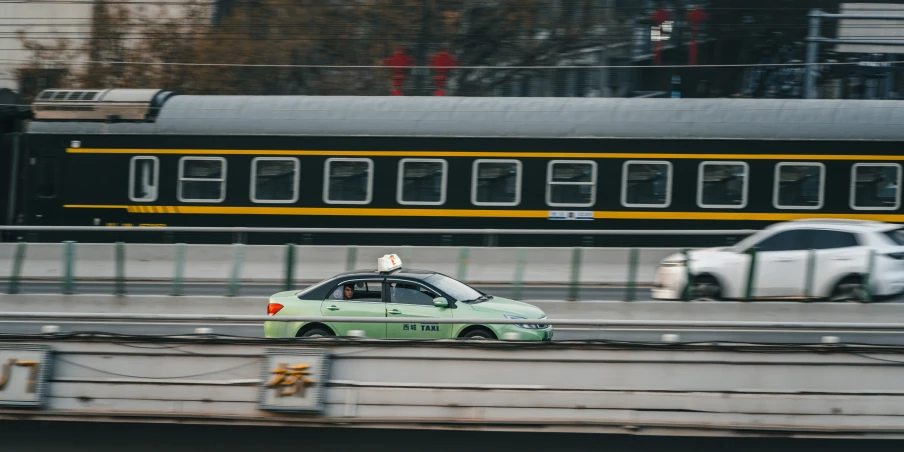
368	290
409	293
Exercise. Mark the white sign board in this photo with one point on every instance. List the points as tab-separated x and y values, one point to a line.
293	379
24	369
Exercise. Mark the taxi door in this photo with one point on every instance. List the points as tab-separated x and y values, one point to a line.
366	301
414	302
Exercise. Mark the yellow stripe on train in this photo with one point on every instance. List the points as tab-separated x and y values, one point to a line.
472	213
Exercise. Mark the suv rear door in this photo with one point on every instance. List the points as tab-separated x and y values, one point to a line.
838	253
780	264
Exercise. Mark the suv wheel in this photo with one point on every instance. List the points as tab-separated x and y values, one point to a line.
849	289
706	288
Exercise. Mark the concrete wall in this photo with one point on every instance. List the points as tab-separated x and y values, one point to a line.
684	390
266	263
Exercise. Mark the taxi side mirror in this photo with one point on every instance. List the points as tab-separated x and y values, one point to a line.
441	302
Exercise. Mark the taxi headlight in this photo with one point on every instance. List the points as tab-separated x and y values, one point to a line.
530	327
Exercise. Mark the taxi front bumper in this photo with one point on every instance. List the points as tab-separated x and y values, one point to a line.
526	334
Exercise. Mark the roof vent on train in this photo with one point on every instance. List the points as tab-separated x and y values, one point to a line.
111	105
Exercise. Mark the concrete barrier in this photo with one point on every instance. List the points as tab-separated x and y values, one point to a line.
610	310
692	391
267	263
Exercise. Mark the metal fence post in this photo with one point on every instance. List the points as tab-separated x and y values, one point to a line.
632	274
120	283
867	279
464	258
237	262
573	290
811	265
751	274
406	257
179	275
520	261
810	70
351	258
290	267
68	267
688	278
18	262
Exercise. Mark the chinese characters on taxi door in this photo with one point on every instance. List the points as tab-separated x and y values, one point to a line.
414	327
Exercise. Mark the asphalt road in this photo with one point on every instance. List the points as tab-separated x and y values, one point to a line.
561	334
528	293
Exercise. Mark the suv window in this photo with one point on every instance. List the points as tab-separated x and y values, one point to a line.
783	241
823	240
404	292
896	236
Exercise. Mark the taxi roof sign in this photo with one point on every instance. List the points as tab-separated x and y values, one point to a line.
389	263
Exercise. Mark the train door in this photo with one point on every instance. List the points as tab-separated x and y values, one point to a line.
45	179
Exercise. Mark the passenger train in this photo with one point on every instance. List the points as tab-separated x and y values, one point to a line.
150	158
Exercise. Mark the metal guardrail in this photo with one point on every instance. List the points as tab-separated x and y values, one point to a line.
602	323
239	230
286	269
289	262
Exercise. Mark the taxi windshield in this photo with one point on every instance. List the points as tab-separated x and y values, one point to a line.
454	288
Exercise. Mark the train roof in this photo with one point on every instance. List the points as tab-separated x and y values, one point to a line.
489	117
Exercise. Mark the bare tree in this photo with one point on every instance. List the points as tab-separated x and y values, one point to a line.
265	41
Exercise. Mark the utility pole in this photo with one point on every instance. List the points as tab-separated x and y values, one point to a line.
421	56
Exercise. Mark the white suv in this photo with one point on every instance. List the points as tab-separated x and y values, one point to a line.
839	258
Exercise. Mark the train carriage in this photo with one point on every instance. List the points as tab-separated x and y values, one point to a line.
152	158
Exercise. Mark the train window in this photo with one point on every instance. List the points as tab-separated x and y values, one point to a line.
571	183
144	174
274	180
798	185
646	183
348	181
722	185
496	183
202	179
876	186
422	181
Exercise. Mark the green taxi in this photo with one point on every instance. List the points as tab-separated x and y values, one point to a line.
391	292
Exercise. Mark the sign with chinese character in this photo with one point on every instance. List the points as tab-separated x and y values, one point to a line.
570	215
293	379
24	369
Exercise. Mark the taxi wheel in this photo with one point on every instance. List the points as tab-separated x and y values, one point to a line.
317	332
480	334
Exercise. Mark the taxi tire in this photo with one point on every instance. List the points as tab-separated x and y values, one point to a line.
317	332
479	333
